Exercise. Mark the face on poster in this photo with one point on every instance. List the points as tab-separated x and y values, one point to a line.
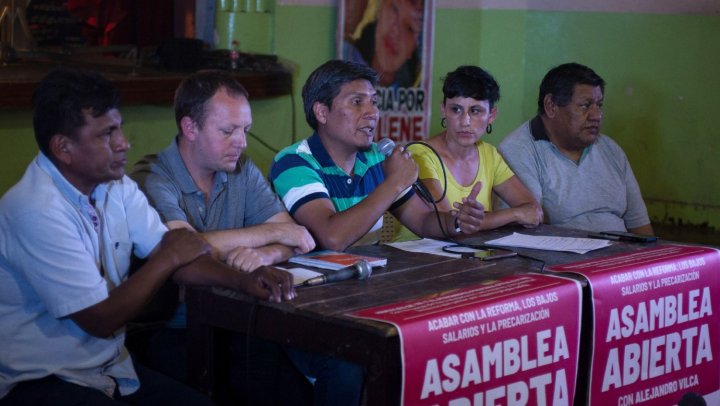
394	38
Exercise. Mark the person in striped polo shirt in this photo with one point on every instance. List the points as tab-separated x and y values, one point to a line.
338	184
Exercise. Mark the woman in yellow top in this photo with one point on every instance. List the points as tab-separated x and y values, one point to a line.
474	168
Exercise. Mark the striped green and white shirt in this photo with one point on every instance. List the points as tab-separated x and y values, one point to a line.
304	172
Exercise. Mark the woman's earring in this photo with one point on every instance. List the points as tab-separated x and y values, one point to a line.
443	122
488	129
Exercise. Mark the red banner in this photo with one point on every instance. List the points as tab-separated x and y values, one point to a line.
655	331
510	341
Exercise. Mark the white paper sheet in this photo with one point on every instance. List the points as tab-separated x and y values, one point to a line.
300	275
549	243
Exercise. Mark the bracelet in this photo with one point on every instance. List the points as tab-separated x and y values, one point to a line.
457	225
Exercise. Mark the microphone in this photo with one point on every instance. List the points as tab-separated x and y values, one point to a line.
360	270
386	147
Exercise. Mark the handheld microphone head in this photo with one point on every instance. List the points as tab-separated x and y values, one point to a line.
386	146
359	270
364	270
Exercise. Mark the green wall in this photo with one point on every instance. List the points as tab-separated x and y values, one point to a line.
148	128
18	146
661	73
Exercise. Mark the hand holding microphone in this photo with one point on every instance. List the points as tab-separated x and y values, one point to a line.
386	147
360	270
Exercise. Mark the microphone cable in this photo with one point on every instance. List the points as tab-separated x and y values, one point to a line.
293	119
482	246
451	239
263	143
425	193
445	232
293	116
427	196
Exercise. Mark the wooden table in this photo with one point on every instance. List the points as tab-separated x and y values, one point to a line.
316	320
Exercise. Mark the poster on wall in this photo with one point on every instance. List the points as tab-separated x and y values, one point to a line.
509	341
394	37
655	333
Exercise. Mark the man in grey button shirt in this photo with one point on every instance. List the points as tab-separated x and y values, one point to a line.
202	182
582	177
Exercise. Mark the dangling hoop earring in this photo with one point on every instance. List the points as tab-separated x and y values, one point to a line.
488	129
443	122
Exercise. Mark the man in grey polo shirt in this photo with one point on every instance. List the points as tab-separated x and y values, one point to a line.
582	177
202	182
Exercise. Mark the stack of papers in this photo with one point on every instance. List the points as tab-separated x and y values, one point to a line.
538	242
548	243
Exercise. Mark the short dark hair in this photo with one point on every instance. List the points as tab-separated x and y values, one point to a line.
560	82
324	84
61	99
471	81
192	95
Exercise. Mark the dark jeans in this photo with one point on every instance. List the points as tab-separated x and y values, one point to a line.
337	382
259	371
155	389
